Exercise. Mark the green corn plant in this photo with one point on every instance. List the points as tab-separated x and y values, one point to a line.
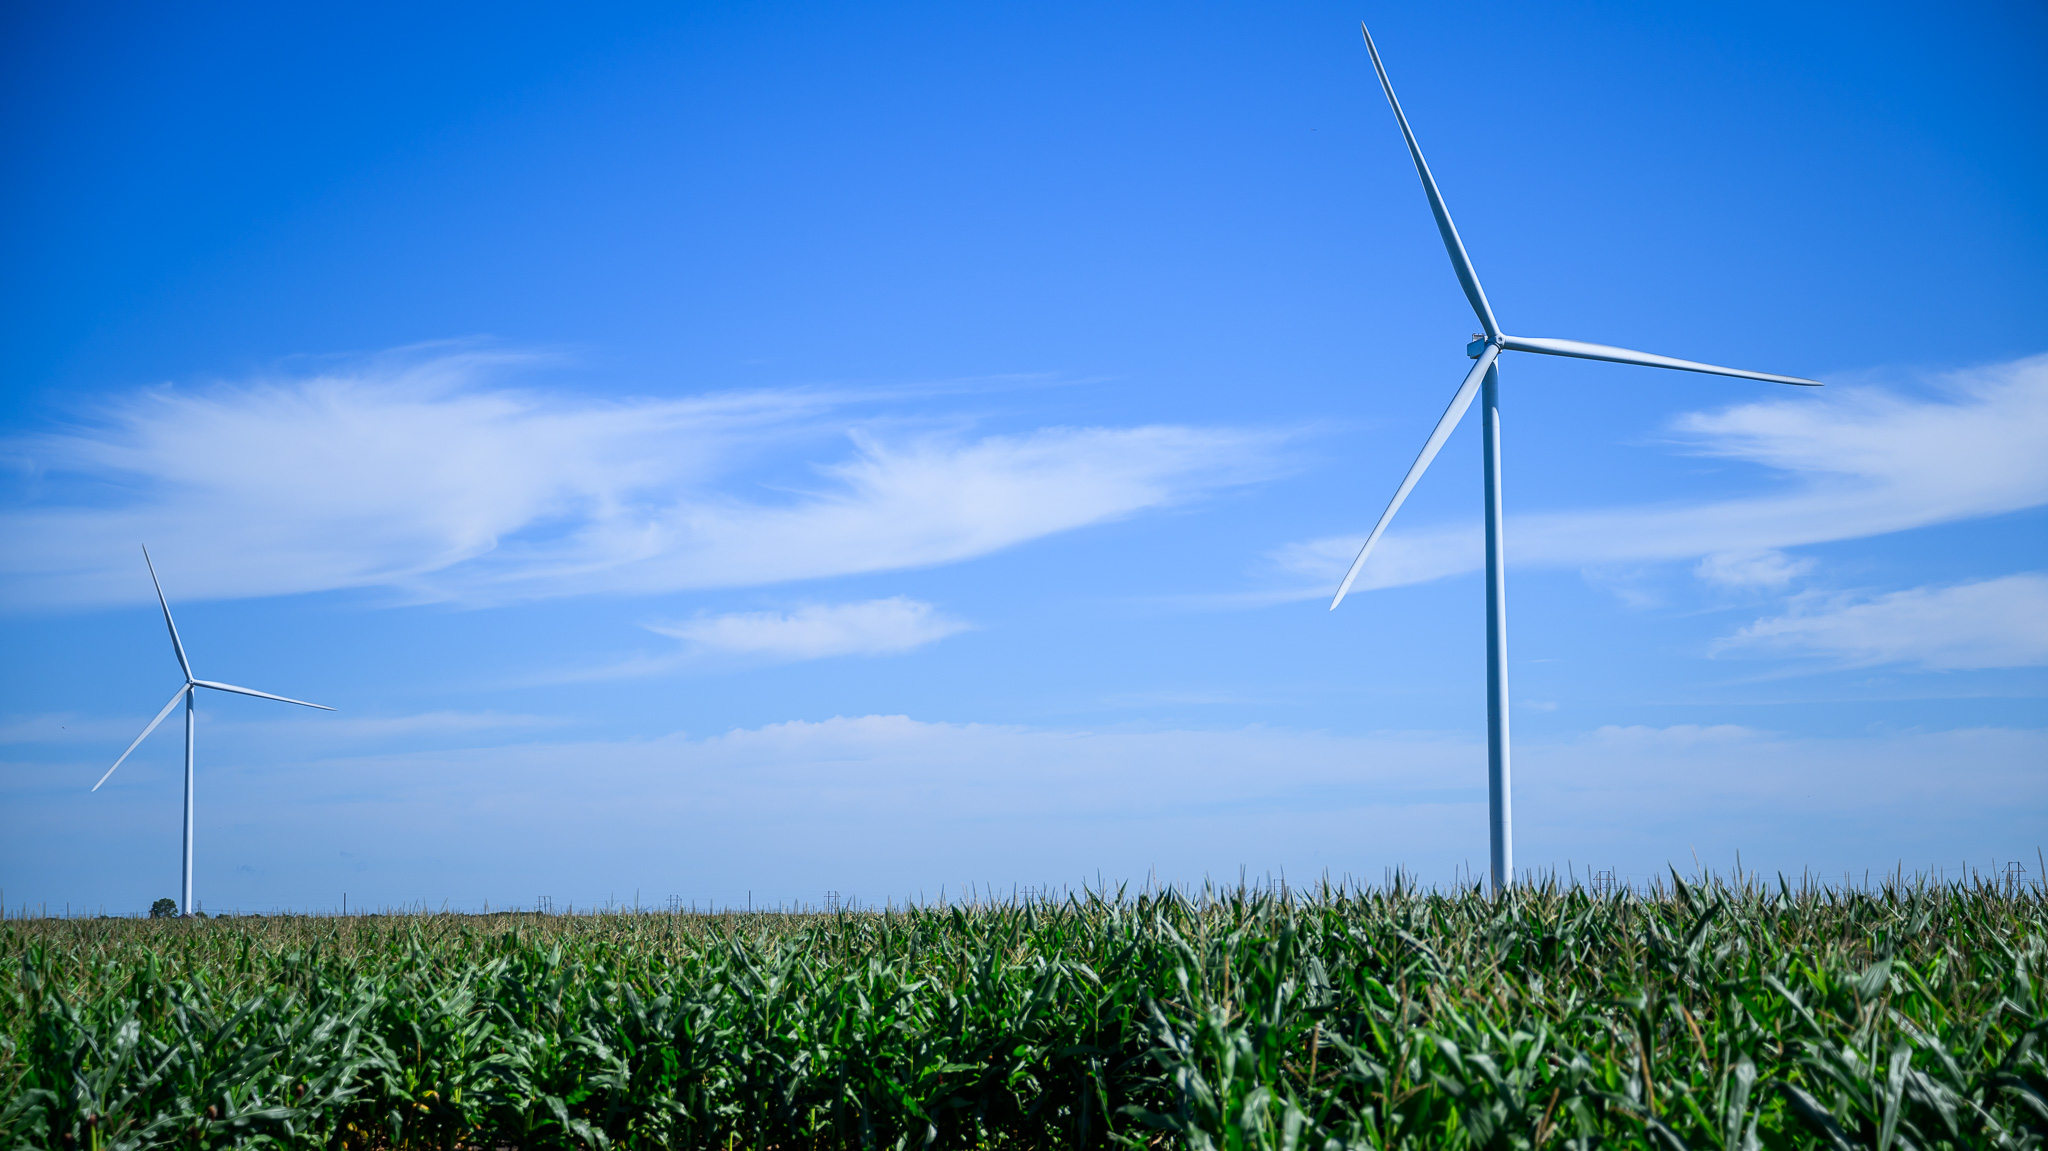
1693	1014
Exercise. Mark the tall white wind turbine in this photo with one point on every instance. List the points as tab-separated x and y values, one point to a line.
1484	380
189	694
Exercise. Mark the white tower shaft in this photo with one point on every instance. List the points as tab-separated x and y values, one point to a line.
1500	817
185	889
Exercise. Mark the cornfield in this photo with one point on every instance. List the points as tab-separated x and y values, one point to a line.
1694	1015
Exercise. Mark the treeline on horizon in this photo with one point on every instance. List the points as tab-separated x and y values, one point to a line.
1707	1014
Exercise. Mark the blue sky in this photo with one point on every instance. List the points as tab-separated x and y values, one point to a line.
745	452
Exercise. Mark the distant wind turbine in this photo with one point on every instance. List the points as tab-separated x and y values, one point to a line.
189	693
1484	379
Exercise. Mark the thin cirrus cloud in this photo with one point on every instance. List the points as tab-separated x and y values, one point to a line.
817	631
1857	462
1768	569
1984	624
70	727
420	476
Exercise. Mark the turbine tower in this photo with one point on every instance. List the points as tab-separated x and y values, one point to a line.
1484	380
189	694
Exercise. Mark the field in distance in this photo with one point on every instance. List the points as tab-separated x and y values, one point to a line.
1707	1015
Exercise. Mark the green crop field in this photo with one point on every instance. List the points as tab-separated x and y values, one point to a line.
1710	1015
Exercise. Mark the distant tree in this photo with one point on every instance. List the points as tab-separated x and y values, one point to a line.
164	909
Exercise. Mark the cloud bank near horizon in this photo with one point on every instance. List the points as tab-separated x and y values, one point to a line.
879	805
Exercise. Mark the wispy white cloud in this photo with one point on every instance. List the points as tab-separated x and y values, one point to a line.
420	475
1767	569
71	727
877	627
1399	560
935	501
374	727
1854	462
1990	623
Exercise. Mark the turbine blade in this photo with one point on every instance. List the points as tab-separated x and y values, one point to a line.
1467	278
257	694
177	645
1587	351
1444	427
145	733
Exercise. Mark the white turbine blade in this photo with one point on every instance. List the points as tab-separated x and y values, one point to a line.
1467	278
257	694
1587	351
1444	427
145	733
177	645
